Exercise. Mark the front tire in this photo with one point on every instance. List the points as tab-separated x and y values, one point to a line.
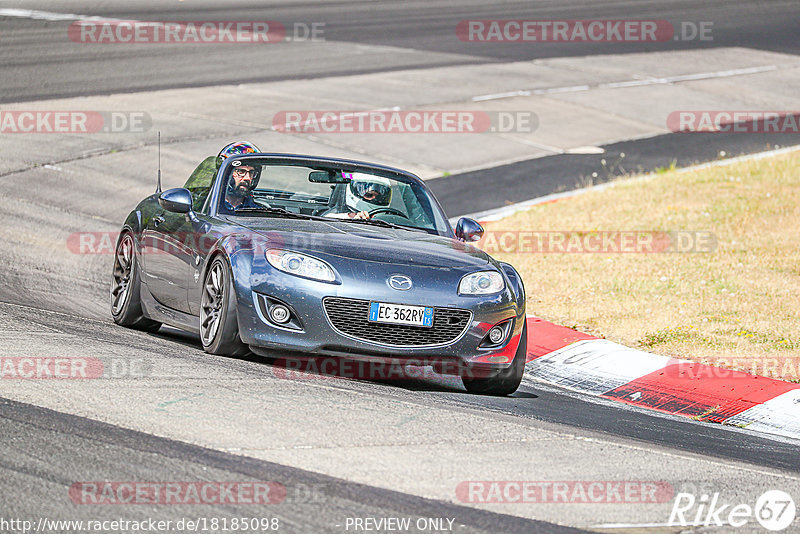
219	328
506	381
126	304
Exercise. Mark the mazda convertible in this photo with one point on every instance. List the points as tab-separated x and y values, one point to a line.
283	254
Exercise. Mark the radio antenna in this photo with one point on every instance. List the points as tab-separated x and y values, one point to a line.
158	187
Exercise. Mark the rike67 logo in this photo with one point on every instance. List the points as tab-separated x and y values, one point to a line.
774	510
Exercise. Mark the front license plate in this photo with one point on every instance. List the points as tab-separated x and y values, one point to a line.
381	312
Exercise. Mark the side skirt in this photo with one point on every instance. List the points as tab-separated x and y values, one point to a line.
158	312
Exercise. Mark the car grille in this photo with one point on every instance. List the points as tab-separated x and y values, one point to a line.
349	316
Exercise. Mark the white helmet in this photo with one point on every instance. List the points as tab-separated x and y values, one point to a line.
366	192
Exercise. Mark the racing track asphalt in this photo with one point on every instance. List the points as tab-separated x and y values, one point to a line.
534	400
95	451
53	302
388	35
46	450
82	449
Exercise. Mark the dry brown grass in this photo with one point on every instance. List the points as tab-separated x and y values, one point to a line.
735	307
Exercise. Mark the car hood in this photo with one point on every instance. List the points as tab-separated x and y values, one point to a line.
348	240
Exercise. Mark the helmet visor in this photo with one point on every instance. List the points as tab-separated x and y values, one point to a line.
372	192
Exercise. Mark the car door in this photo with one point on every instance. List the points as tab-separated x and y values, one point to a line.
208	232
169	243
167	258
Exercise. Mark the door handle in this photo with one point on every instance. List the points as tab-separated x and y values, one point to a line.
158	219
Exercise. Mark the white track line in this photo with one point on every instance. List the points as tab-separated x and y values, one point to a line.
48	15
655	525
629	83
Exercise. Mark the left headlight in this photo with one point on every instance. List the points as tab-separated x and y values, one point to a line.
300	265
481	283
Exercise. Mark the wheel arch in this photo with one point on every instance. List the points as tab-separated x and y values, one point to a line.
132	224
133	221
517	286
240	266
221	252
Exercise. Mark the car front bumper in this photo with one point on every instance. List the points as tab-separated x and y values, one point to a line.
319	336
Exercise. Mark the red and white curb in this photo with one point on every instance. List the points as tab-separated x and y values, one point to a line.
601	368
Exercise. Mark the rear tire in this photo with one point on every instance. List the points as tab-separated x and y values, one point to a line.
126	304
506	381
219	328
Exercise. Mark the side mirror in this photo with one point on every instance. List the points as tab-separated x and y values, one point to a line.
177	200
468	230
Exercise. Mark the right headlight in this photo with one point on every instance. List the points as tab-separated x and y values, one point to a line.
481	283
300	265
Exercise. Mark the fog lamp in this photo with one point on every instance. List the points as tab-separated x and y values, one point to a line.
496	334
279	313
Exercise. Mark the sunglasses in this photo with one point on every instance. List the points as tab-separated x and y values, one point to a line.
239	173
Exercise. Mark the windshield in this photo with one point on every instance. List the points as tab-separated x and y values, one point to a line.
257	187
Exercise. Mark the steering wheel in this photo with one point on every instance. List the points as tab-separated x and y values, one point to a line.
393	211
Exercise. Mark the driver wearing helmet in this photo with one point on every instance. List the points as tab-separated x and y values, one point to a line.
365	194
243	177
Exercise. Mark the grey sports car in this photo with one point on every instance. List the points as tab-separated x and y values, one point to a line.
285	254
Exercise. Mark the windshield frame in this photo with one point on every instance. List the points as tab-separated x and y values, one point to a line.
216	197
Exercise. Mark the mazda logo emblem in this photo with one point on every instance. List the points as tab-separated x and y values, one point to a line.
400	282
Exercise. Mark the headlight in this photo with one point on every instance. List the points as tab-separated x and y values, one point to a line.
482	283
300	265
